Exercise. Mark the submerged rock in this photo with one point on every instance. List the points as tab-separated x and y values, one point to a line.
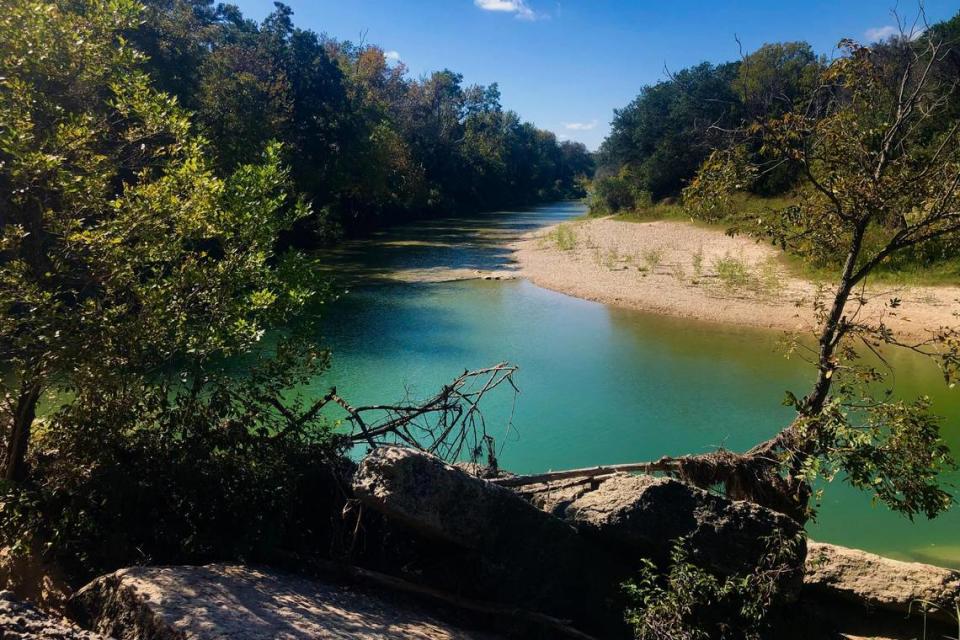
881	583
224	601
21	621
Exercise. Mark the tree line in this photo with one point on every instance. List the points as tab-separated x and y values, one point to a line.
659	141
370	145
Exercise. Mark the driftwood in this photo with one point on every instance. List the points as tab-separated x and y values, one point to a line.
449	425
662	465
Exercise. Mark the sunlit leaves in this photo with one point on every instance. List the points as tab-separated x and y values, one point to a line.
126	252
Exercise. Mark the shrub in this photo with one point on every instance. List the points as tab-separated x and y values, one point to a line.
652	257
731	271
697	261
565	237
173	473
689	603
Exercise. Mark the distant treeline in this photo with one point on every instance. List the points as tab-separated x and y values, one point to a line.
659	141
368	144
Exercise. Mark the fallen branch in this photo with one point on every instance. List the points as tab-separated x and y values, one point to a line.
660	466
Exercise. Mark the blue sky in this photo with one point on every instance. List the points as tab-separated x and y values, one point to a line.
567	64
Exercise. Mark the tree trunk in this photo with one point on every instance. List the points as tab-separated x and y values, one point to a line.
24	414
833	329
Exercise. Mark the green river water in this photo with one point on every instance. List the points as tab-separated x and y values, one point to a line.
599	385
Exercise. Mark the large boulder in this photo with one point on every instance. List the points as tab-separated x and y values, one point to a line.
21	621
224	601
502	547
881	583
646	515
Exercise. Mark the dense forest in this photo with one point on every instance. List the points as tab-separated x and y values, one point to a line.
371	144
659	141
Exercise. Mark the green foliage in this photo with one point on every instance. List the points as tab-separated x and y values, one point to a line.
623	192
565	237
731	271
672	127
696	260
709	196
689	603
881	174
891	450
133	267
373	145
652	257
663	135
776	78
162	474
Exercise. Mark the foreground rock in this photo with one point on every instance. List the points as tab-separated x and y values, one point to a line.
644	515
877	582
500	547
21	621
242	603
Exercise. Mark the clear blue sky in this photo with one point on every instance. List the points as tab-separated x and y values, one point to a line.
567	64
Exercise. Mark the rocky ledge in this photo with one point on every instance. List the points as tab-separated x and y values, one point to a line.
877	583
222	601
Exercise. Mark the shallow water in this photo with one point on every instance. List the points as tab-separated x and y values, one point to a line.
599	385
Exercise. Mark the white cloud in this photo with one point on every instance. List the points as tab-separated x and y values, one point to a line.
517	7
391	55
580	126
876	34
879	34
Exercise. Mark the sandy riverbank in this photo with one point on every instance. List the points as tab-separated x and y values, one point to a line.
681	269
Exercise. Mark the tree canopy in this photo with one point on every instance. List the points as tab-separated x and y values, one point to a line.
372	145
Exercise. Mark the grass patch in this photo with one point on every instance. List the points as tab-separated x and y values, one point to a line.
745	204
696	260
652	257
946	272
732	272
564	237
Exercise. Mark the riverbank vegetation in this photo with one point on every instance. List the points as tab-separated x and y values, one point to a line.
373	145
648	165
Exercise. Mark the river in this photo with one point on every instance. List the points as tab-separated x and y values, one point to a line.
599	385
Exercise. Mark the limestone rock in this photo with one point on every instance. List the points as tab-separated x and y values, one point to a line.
223	601
646	514
505	549
878	582
554	497
445	503
21	621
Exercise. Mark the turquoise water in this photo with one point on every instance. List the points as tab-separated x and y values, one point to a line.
599	385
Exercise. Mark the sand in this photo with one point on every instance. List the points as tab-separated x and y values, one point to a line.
681	269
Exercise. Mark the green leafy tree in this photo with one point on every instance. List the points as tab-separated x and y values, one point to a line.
882	177
667	131
122	252
776	77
